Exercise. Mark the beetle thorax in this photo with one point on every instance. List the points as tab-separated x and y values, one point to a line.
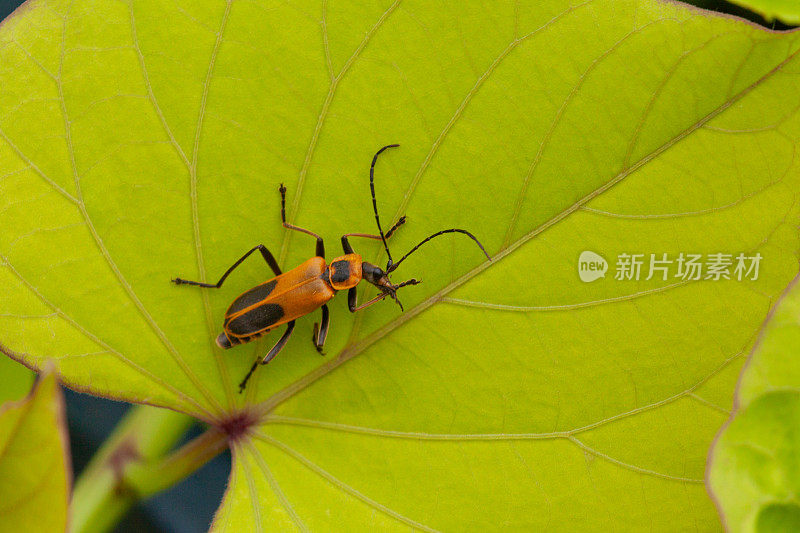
344	272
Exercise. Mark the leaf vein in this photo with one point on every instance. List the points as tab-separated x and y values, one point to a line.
254	502
629	466
338	483
150	94
198	244
554	124
417	435
273	483
468	98
561	307
41	174
656	94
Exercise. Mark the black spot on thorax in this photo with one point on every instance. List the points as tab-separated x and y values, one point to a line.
340	271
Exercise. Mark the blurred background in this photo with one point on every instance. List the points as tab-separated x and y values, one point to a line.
190	505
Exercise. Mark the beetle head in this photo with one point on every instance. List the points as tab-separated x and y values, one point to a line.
379	278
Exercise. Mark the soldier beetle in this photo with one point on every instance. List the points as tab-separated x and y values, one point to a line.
309	286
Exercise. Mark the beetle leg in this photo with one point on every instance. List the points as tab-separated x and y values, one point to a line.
272	353
346	245
349	249
320	245
268	257
321	331
351	300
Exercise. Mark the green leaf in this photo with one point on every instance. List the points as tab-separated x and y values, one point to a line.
754	466
787	11
144	141
34	461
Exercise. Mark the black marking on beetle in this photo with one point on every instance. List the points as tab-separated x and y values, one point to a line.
341	271
256	319
252	297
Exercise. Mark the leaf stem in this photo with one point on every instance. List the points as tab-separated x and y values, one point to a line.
135	463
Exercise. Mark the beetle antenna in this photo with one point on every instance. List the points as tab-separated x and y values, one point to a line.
374	202
393	266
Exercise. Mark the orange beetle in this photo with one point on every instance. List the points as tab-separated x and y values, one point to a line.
309	286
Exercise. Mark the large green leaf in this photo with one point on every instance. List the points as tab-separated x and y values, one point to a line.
754	466
34	461
145	141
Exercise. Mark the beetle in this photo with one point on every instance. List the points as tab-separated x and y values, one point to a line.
309	286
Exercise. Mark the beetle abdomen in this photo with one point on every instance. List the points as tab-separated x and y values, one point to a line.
224	342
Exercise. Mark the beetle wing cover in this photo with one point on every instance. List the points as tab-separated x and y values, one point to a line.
279	300
256	319
252	297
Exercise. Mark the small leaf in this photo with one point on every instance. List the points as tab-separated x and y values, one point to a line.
15	379
787	11
34	461
754	466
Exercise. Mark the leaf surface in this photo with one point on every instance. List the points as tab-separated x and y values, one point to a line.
144	141
34	461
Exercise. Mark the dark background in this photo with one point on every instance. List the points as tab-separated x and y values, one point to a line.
189	506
